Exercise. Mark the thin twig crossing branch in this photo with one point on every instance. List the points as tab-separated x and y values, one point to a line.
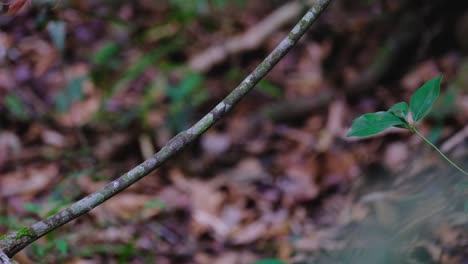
16	241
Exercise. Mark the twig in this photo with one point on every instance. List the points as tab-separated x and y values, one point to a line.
16	241
247	41
386	58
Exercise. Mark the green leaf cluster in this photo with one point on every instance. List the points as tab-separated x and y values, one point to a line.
397	116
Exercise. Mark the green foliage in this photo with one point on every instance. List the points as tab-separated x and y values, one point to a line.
106	54
422	100
57	33
123	252
420	105
24	232
141	64
71	94
33	208
185	95
400	110
16	107
62	246
51	245
269	88
373	123
155	203
10	222
397	116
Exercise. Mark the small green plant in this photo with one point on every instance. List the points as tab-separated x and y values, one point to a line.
397	116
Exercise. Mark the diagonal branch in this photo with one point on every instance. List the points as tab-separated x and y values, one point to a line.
249	40
16	241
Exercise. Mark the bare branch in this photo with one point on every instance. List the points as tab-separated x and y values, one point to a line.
18	240
247	41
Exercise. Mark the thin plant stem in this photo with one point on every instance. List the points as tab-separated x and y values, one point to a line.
438	150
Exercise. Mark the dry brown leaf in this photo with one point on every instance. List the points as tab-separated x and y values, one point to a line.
53	138
205	199
205	221
250	233
30	181
86	184
302	185
174	198
80	113
10	147
41	53
340	168
336	113
15	6
22	258
109	144
248	170
204	195
215	143
308	78
129	206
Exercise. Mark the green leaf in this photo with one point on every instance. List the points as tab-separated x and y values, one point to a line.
423	99
106	53
373	123
72	93
62	246
155	203
16	107
269	88
33	208
399	109
57	33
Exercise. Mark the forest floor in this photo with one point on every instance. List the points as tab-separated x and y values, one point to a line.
89	89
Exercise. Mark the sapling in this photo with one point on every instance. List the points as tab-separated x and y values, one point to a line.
397	116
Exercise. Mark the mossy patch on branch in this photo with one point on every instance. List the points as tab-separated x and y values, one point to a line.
24	232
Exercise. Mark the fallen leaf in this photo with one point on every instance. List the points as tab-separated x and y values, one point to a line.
29	181
250	233
247	171
15	6
10	147
129	206
215	143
